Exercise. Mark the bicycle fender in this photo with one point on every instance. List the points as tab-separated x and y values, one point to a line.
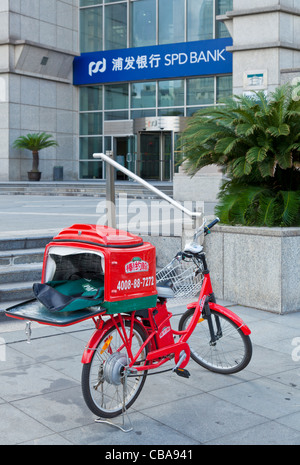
93	343
95	339
226	312
232	316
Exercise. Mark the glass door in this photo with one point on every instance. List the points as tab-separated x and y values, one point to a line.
155	158
124	154
149	155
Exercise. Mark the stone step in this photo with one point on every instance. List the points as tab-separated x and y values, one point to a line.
15	292
24	243
20	273
132	190
21	256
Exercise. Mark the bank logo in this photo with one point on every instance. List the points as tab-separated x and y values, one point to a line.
97	67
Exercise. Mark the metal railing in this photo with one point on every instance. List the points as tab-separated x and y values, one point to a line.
110	190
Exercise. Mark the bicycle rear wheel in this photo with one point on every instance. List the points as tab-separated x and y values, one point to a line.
230	353
103	378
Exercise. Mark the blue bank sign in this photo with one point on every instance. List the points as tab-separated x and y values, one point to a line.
201	58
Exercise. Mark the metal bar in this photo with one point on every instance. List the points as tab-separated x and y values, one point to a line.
147	185
110	193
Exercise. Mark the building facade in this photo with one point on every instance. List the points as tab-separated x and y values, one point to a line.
125	76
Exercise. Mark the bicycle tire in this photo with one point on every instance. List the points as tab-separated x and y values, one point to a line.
232	351
105	398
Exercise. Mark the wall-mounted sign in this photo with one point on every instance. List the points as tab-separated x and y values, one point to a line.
201	58
255	80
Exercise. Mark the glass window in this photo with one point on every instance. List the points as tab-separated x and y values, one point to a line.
88	146
171	112
224	87
90	123
171	21
90	2
170	93
115	115
90	98
200	91
115	26
91	170
192	110
116	96
200	20
143	95
143	23
91	29
221	7
142	113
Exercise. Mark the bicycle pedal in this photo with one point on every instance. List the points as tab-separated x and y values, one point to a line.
182	372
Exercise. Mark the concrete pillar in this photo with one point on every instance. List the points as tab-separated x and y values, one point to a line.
266	43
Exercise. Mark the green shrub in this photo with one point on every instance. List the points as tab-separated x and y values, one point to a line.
256	141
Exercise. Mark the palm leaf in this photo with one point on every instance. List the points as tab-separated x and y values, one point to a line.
291	208
256	154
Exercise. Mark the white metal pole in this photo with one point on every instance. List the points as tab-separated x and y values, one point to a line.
147	185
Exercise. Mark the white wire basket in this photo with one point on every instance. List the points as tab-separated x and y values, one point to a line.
185	276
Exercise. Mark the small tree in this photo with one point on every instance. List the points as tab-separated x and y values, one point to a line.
256	140
35	143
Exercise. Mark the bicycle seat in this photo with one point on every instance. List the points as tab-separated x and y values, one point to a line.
164	289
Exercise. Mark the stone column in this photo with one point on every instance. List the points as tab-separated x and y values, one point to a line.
266	43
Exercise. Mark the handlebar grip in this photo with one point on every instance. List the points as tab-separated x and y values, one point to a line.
211	225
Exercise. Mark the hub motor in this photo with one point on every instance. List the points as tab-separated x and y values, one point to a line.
114	368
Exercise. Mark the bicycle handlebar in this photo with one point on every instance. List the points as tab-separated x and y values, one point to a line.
194	247
211	225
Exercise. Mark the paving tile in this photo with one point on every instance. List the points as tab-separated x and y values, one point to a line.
263	396
269	433
203	417
32	380
17	427
146	431
58	410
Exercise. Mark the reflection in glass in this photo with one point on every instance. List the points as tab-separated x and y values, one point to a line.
171	21
90	123
115	26
200	20
116	96
91	169
200	91
143	23
143	95
90	98
224	87
222	6
90	2
90	29
170	93
88	146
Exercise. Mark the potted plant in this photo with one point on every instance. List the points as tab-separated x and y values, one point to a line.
35	142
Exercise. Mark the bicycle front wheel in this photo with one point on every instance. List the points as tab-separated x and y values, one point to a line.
230	353
106	391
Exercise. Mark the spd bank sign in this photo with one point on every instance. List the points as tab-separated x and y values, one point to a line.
201	58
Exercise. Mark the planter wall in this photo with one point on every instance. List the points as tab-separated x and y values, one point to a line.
256	267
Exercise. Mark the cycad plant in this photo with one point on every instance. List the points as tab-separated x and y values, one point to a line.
35	142
256	140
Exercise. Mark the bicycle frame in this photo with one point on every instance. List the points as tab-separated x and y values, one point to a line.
158	356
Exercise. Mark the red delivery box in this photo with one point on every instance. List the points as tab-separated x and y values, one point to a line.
92	255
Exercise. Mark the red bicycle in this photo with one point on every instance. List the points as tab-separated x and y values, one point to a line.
126	346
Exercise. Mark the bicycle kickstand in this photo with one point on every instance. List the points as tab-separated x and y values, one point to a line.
122	426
